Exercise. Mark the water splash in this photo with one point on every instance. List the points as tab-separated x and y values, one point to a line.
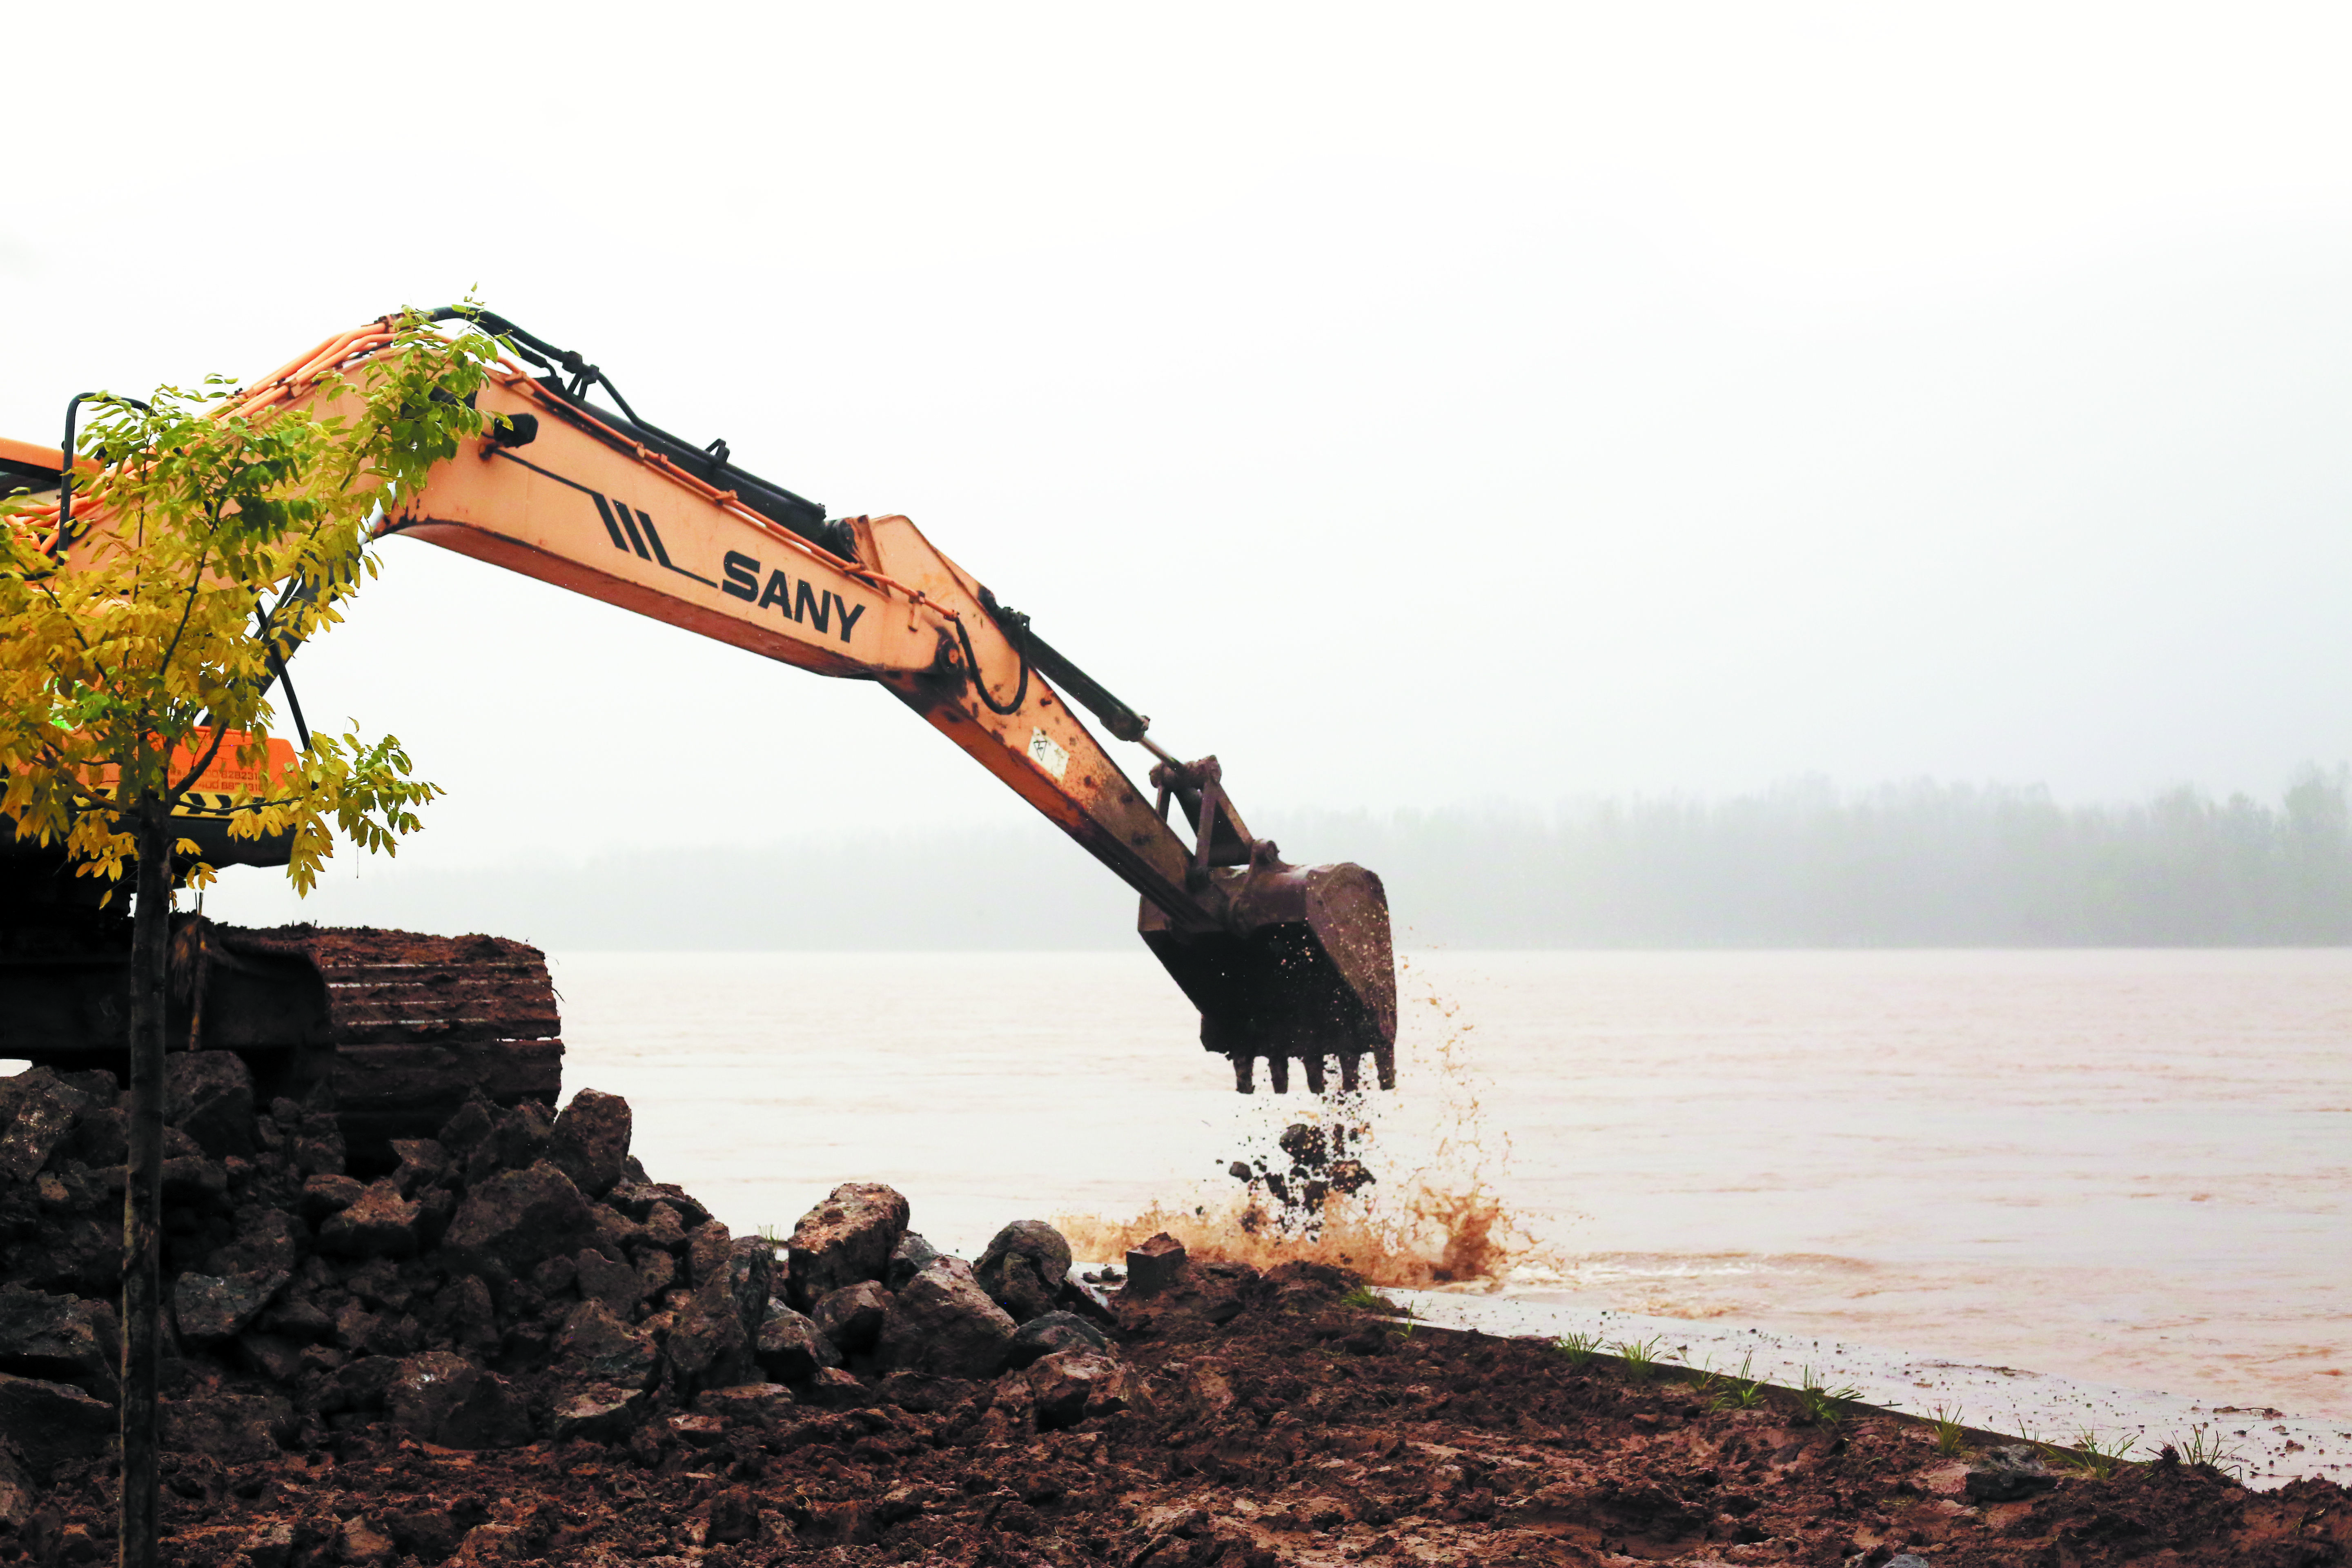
1348	1179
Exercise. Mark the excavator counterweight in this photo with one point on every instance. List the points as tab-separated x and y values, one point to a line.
1285	964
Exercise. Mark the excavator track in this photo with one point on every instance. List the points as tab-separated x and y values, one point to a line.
404	1027
407	1026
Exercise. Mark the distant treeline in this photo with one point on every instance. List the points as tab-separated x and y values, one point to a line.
1804	864
1925	864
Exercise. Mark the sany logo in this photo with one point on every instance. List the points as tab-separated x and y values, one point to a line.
802	602
633	533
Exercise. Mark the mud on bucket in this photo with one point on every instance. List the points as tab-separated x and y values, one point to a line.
1303	969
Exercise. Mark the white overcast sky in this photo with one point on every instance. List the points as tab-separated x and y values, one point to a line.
1414	406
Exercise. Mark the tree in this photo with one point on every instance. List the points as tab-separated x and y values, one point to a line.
137	648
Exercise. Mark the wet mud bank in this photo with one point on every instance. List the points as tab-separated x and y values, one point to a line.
514	1346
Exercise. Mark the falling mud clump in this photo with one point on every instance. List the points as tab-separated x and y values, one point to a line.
477	1357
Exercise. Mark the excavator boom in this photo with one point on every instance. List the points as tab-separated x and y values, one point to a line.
1285	964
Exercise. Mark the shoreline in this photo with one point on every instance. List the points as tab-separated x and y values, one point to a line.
2273	1448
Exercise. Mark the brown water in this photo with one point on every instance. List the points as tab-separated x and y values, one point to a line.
2124	1166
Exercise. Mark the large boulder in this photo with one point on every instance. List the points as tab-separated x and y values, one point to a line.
844	1240
591	1140
379	1223
596	1347
790	1348
1023	1268
599	1414
212	1310
441	1397
517	1220
63	1338
851	1316
943	1323
1043	1336
37	1114
208	1095
49	1423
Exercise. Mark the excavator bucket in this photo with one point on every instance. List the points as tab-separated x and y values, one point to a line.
1303	970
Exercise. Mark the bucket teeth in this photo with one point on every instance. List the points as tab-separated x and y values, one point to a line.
1277	1069
1245	1070
1313	1063
1347	1064
1384	1059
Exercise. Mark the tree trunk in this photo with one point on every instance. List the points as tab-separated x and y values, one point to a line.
142	1191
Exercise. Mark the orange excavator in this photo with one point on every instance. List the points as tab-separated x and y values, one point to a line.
1285	964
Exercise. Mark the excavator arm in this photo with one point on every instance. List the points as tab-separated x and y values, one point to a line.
1285	964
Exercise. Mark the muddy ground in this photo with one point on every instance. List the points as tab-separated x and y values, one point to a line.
1299	1431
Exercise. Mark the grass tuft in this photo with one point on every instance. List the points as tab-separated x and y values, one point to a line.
2098	1457
1640	1356
1740	1392
2203	1448
1578	1350
1818	1401
1951	1437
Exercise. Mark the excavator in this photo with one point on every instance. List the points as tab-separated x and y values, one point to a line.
1285	964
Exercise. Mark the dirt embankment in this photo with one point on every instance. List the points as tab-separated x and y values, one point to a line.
515	1348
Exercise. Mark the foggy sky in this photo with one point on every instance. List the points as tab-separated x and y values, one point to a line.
1414	407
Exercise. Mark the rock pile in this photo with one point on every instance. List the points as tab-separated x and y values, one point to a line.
518	1278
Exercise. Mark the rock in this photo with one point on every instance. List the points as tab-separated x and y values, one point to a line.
698	1431
208	1095
598	1347
911	1253
361	1543
517	1220
1072	1385
278	1360
423	1163
431	1534
518	1141
749	1404
2008	1473
1023	1268
1055	1331
1195	1298
48	1422
707	1252
638	1199
851	1316
441	1397
708	1344
665	1229
847	1238
270	1546
922	1393
102	1136
37	1114
734	1516
379	1224
19	1494
62	1338
835	1388
600	1279
591	1140
329	1194
750	1274
943	1323
465	1132
790	1348
233	1428
267	1239
1152	1266
213	1309
464	1308
599	1414
191	1179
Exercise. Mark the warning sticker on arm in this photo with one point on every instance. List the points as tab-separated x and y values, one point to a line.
1047	754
